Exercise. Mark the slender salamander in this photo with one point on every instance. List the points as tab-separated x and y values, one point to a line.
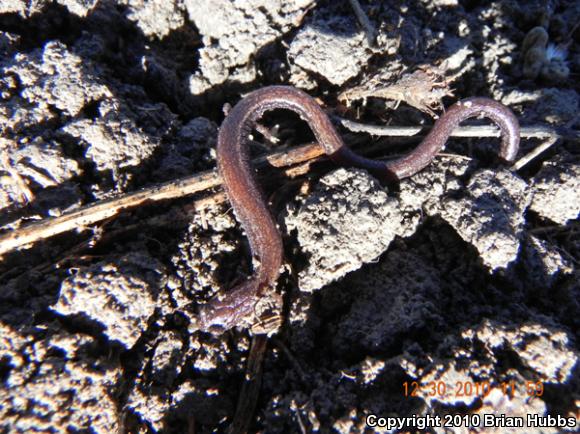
248	201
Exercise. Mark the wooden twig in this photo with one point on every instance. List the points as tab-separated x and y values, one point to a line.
295	364
294	406
91	214
267	134
248	397
291	159
540	132
364	21
534	153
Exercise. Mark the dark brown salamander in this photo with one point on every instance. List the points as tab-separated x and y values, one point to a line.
248	201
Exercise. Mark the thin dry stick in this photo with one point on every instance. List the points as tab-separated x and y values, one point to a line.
534	153
91	214
364	21
292	359
99	211
540	132
248	397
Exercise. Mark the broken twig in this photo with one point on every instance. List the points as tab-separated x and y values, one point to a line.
91	214
534	153
292	160
364	21
540	132
251	388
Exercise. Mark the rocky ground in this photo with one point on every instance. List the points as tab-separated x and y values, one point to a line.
464	275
